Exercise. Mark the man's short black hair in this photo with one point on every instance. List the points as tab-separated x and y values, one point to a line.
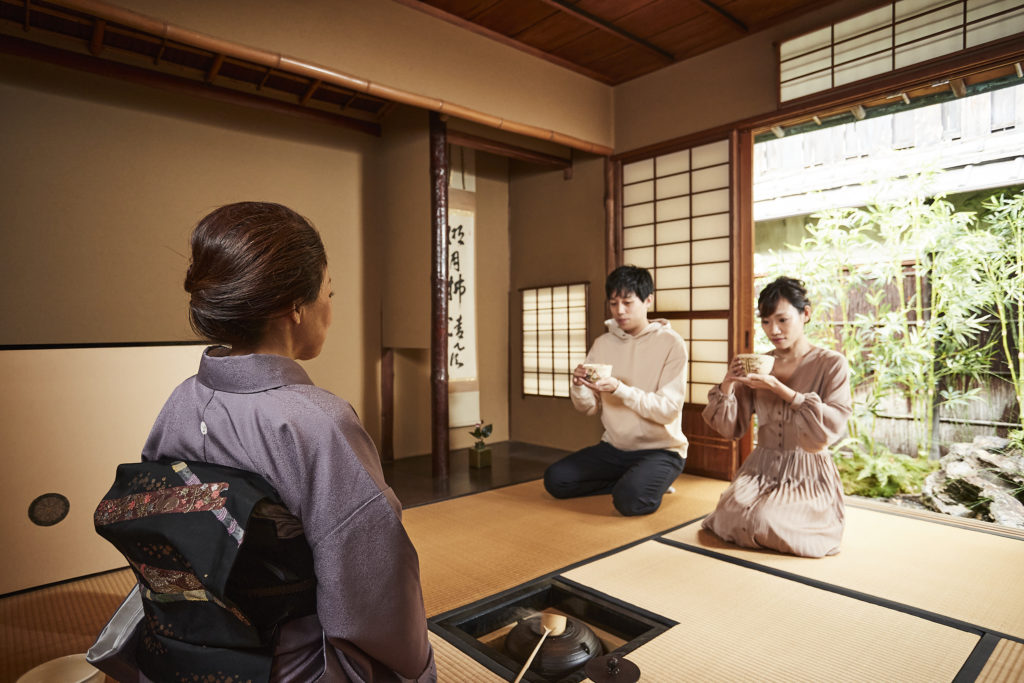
626	280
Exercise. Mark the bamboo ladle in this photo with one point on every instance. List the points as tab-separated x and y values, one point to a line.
553	624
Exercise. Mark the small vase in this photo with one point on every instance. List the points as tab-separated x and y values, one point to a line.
480	457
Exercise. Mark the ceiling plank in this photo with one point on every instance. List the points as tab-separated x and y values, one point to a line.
603	25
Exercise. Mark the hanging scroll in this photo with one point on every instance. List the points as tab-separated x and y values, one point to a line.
463	387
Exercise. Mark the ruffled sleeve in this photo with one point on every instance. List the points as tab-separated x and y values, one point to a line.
820	417
729	414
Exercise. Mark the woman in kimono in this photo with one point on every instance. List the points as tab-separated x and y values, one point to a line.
787	496
259	289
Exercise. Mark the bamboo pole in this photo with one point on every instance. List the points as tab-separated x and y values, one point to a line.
167	31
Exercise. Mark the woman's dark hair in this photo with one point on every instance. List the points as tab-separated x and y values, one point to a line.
786	288
251	261
629	279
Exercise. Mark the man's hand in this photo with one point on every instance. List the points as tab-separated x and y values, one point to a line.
606	384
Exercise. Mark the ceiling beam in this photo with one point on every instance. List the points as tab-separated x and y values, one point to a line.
721	12
604	25
457	137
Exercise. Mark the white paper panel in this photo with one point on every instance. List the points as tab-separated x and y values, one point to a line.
530	383
699	393
806	64
710	351
711	274
861	47
707	251
806	43
928	49
711	178
682	327
673	163
715	225
673	254
641	192
791	90
545	385
672	278
637	171
673	185
672	300
711	299
711	328
638	215
638	237
993	29
562	385
716	201
670	209
711	154
863	68
673	231
710	373
643	257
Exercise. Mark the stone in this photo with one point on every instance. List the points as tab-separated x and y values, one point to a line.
980	480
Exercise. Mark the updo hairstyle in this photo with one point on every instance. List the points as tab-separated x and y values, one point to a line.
251	262
787	288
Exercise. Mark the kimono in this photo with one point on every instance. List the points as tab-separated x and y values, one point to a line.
262	414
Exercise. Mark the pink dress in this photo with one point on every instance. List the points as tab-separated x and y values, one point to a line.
787	495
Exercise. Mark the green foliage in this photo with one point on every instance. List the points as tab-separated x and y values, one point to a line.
1003	274
915	338
480	432
871	469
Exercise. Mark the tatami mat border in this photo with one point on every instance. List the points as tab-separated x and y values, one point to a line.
978	659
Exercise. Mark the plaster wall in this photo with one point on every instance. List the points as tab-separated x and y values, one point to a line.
397	46
734	82
103	183
557	237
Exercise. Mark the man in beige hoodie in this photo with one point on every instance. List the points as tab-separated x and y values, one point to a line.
643	448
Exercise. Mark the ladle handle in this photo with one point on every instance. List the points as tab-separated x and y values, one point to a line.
529	660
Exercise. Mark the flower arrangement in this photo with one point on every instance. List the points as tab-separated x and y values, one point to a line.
481	432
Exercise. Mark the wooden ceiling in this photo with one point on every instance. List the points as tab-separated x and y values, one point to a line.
614	41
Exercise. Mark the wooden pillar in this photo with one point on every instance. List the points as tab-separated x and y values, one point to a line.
387	405
439	165
612	202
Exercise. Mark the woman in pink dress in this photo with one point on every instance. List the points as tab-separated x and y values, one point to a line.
787	495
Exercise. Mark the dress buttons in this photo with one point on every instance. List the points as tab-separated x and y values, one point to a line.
202	427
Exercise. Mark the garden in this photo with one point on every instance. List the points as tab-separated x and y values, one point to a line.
925	298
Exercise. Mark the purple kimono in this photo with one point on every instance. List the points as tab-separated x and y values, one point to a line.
261	413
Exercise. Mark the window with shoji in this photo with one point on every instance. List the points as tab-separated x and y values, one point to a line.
554	337
676	222
894	36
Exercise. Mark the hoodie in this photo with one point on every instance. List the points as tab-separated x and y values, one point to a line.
646	410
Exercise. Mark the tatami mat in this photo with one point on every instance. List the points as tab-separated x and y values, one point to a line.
479	545
960	573
737	624
1006	663
455	666
57	620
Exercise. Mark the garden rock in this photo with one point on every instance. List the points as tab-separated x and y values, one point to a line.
981	480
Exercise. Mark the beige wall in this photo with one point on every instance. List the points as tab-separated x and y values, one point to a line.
69	417
103	182
558	236
729	84
397	46
407	323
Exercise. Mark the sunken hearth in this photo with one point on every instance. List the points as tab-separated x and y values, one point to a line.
500	632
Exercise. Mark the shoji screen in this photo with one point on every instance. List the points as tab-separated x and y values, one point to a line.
554	337
676	222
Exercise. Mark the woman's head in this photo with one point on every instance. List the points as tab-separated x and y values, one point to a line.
251	262
784	309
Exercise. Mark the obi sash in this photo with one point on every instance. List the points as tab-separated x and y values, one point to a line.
220	563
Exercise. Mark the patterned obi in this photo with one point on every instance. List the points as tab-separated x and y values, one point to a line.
221	564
